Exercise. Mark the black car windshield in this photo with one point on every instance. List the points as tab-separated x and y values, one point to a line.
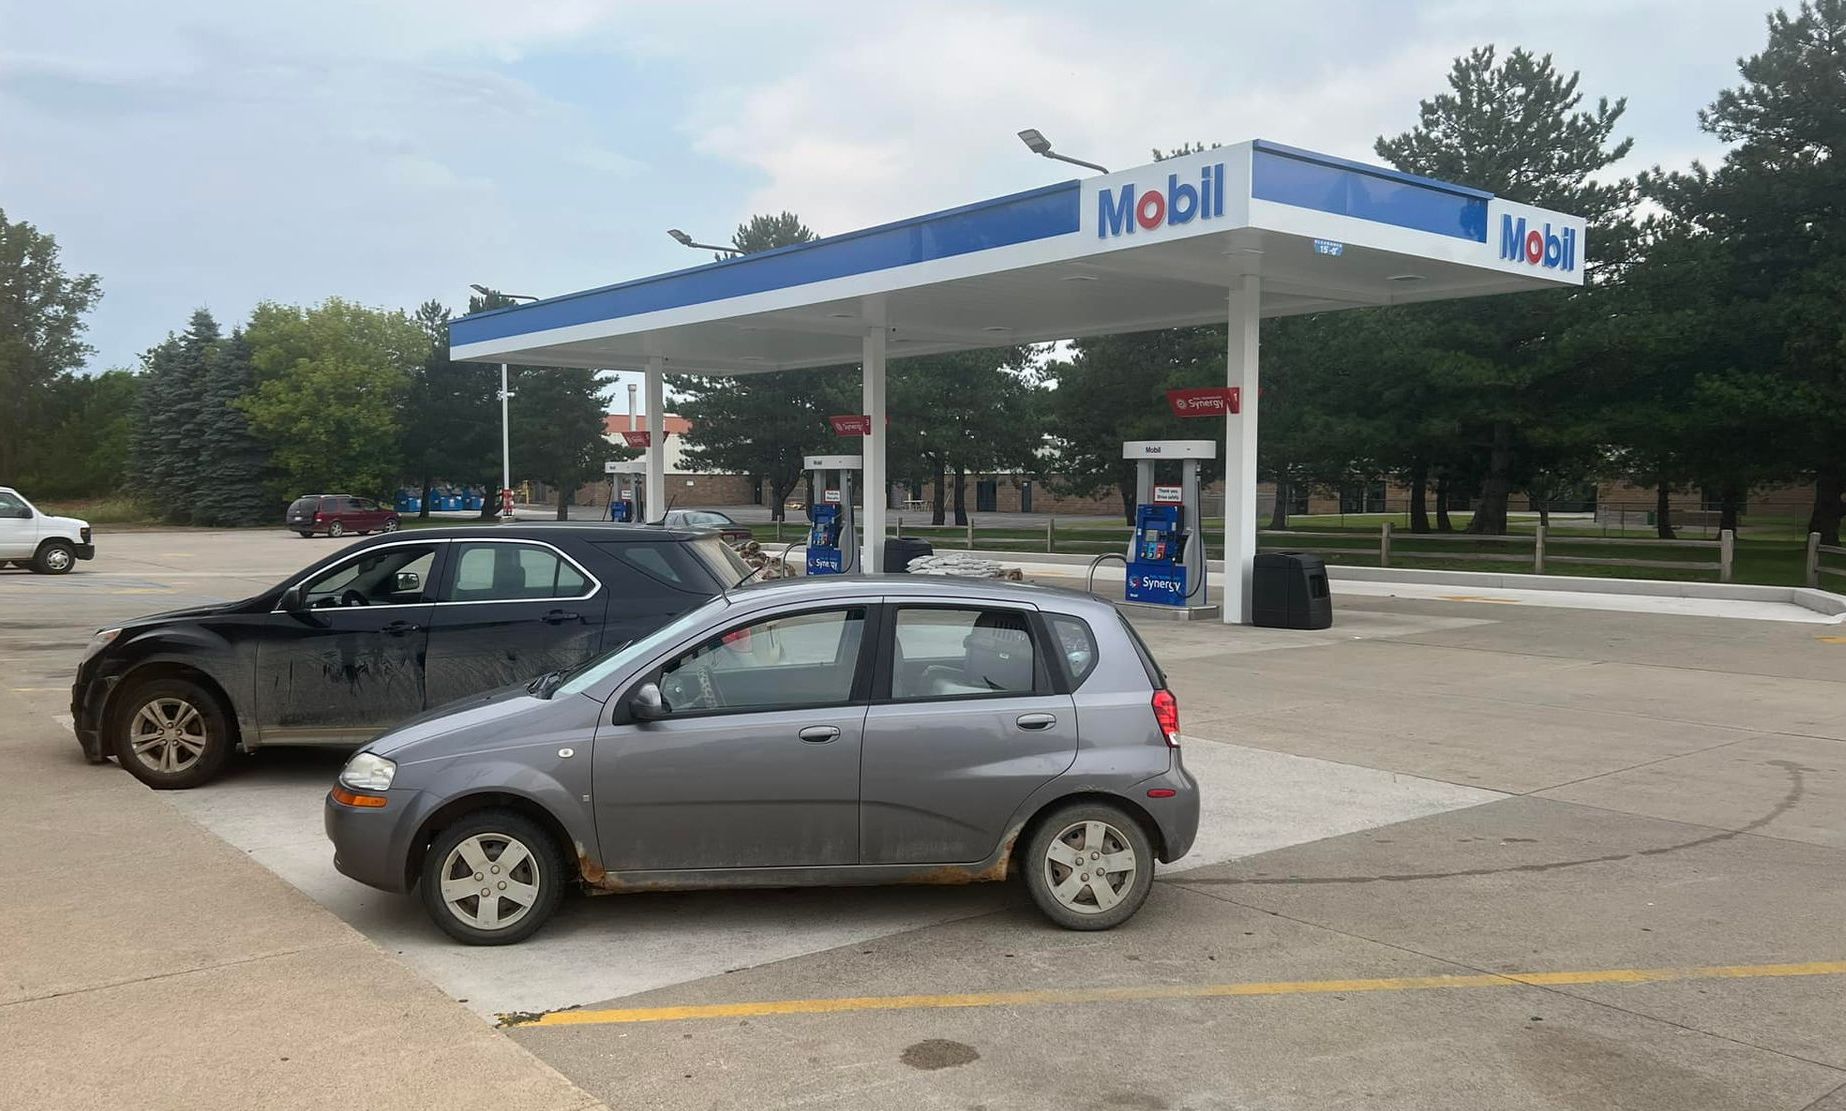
609	663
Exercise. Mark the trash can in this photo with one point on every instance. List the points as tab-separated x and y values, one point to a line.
900	550
1290	592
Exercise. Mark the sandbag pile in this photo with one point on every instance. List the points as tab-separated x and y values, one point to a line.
962	565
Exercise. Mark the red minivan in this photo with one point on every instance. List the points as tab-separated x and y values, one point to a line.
339	514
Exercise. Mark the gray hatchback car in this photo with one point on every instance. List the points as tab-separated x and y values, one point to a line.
811	732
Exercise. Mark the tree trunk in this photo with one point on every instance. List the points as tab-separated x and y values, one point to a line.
1278	514
961	495
1663	508
563	504
423	509
1544	512
939	497
778	498
1443	524
490	503
1497	487
1829	506
1730	507
1419	496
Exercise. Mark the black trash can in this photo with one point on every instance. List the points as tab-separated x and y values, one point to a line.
900	550
1290	592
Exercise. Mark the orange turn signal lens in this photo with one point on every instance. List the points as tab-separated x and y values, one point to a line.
346	798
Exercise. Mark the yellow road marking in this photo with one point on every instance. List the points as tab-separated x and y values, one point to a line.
1053	996
1477	598
1831	640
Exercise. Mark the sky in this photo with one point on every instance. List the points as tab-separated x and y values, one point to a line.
198	153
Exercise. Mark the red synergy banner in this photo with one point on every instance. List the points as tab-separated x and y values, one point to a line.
1212	401
859	425
637	439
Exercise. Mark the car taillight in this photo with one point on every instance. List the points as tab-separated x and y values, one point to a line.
1166	712
319	517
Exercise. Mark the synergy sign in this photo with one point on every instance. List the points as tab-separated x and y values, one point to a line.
1121	211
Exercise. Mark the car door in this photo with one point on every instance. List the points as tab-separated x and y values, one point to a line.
18	527
964	725
343	658
756	763
508	611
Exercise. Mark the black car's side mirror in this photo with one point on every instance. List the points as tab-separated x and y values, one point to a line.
291	600
645	704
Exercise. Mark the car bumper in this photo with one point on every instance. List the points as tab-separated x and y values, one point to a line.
89	695
1178	815
85	551
372	845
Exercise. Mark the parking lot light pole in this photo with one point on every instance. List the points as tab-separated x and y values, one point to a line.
506	428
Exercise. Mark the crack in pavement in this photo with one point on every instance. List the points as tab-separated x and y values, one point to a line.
1796	791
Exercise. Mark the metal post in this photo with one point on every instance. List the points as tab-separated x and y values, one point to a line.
655	383
1538	550
1051	534
970	532
1384	544
877	489
506	436
1727	550
1245	313
1813	567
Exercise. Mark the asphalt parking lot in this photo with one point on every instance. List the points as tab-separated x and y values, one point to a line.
1455	854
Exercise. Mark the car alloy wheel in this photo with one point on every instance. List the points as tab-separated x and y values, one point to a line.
391	525
336	529
490	882
1089	867
168	735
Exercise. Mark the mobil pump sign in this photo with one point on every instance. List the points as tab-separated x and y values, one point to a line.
1132	207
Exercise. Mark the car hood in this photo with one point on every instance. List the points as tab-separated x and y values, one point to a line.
65	524
478	711
168	616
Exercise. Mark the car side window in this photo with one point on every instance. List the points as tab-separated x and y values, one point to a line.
494	572
393	576
942	652
779	663
11	506
1073	639
670	563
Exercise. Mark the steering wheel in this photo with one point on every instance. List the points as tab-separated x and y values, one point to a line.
691	688
354	598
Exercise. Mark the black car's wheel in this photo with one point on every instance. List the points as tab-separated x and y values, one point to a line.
1089	866
55	557
492	878
306	534
336	529
171	734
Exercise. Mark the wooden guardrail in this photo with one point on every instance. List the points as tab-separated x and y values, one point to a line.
1815	569
1542	552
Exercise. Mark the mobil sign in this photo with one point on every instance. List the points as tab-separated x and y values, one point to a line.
1194	193
1533	241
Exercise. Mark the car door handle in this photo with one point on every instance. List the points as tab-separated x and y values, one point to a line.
1036	721
819	734
559	617
399	628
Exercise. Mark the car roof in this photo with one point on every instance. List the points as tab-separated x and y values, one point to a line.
949	588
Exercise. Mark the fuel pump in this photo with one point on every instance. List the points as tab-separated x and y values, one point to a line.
1166	551
833	542
627	479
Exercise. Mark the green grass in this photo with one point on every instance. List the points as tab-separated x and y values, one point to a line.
118	512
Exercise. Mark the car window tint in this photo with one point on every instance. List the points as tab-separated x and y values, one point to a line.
378	577
494	572
667	562
803	659
953	653
709	520
1076	643
303	505
10	505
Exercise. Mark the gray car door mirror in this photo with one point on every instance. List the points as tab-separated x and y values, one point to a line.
409	582
645	704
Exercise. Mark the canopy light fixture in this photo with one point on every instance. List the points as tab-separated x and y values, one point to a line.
1035	141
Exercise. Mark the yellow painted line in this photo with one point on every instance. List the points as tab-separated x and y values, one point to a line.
1477	598
1054	996
1831	640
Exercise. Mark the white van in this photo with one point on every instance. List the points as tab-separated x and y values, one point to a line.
38	541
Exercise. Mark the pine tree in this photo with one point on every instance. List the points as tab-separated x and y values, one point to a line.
188	416
231	459
152	468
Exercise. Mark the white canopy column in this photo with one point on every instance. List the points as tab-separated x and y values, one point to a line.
1240	451
877	487
655	386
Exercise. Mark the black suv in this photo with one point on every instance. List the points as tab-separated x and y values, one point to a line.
390	626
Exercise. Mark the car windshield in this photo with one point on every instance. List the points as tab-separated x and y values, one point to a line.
613	661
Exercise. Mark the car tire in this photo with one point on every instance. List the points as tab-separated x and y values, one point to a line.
306	534
391	525
55	557
492	834
181	729
336	530
1063	852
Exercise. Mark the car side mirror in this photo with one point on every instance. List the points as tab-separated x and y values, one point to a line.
409	582
291	599
645	704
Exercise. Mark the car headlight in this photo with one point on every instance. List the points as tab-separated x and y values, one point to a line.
100	641
368	771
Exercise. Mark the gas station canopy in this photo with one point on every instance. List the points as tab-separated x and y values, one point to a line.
1223	236
1074	259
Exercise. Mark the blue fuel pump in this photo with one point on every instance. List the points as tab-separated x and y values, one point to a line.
1166	555
1158	572
824	555
833	543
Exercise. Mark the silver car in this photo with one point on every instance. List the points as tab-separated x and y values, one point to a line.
811	732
